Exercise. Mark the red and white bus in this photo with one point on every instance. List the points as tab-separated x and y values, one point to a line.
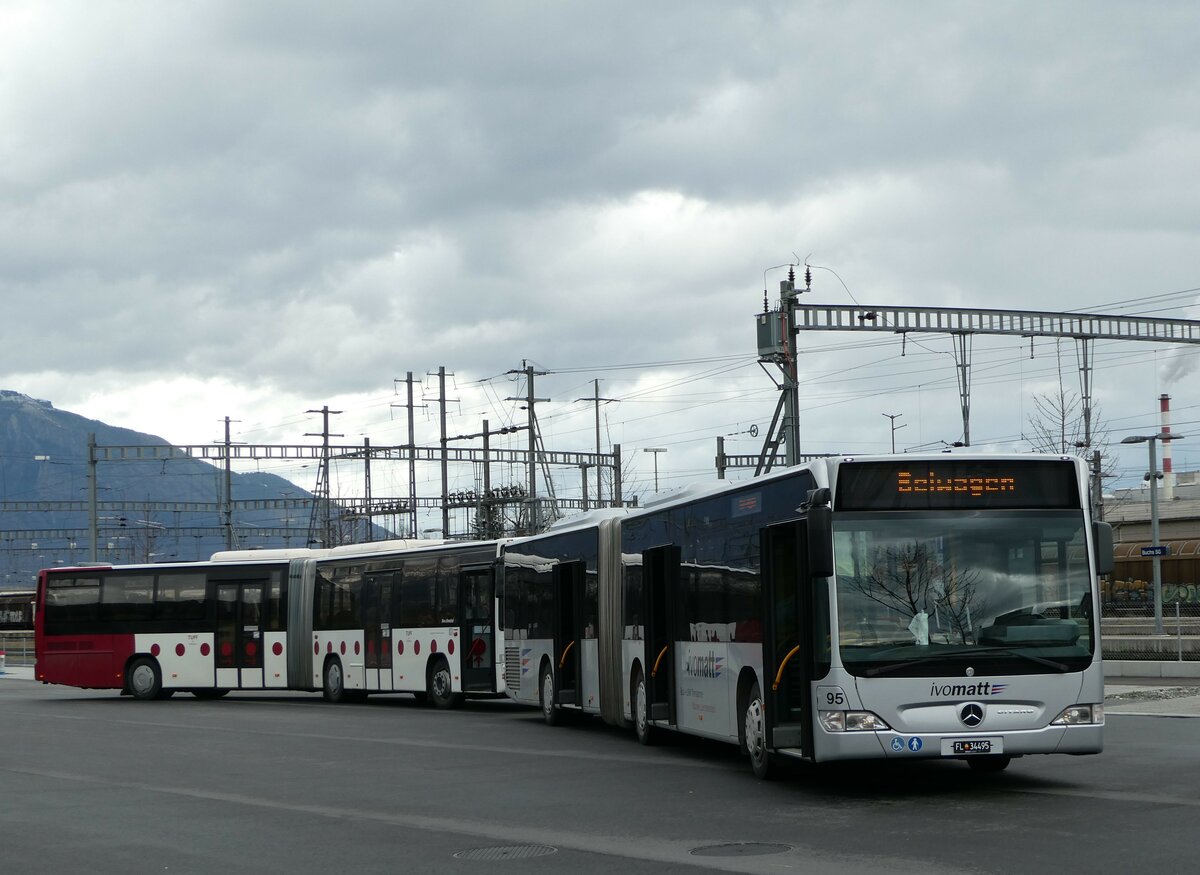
393	616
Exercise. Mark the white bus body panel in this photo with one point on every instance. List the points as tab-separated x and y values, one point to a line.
523	661
412	651
185	659
590	694
706	681
275	674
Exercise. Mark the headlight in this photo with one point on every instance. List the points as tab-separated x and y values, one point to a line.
1080	715
852	721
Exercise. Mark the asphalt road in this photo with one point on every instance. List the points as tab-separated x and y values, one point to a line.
286	783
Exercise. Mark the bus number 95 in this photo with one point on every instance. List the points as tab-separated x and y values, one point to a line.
831	698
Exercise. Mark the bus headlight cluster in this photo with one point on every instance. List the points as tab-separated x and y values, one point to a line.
1080	715
852	721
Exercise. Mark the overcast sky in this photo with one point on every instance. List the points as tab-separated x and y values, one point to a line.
253	210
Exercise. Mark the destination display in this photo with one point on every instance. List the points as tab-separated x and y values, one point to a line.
956	485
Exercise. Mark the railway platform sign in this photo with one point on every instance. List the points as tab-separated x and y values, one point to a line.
1157	550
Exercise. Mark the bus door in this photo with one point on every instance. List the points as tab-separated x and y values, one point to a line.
787	637
569	579
377	630
477	632
239	635
660	596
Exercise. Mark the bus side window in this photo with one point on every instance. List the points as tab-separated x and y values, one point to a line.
179	596
447	591
127	598
71	601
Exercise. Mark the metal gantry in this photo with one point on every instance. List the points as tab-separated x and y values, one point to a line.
963	325
486	502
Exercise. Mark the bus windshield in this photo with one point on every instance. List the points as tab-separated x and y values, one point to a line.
931	593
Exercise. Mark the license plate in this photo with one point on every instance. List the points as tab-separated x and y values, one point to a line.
983	745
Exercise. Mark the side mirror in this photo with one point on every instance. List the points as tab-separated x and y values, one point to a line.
820	541
1102	539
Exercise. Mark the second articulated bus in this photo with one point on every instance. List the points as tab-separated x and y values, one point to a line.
388	617
896	607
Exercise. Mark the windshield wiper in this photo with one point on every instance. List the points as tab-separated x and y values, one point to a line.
896	666
971	651
1009	651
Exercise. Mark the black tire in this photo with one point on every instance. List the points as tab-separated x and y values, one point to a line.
754	728
550	714
209	694
439	683
989	764
333	681
639	705
144	680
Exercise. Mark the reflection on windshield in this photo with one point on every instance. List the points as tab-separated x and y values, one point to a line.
924	588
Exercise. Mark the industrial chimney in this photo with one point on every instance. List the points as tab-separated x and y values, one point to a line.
1168	481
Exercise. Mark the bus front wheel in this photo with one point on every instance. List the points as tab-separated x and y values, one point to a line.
144	680
334	686
755	727
995	763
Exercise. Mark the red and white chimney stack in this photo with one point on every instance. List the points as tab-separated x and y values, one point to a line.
1168	481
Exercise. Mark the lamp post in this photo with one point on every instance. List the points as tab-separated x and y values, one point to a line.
1153	476
895	428
656	451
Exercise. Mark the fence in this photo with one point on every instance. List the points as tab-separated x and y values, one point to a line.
17	648
1127	631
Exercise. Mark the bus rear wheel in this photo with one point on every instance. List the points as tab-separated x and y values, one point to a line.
755	728
440	686
333	686
144	679
549	713
641	709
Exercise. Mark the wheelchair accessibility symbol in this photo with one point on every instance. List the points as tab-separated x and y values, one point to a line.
897	744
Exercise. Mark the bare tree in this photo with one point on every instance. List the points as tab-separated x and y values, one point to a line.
909	580
1057	424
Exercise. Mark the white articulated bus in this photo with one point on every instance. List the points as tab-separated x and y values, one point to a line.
385	617
850	608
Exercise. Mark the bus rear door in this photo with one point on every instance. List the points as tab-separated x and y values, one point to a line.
787	637
660	593
377	631
569	580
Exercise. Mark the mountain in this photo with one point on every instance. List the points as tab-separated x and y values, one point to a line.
44	459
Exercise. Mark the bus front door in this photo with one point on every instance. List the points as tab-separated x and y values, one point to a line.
477	633
569	580
239	639
660	594
787	638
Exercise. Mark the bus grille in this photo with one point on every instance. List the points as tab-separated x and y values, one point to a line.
512	668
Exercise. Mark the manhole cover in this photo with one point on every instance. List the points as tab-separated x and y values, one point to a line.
740	849
506	852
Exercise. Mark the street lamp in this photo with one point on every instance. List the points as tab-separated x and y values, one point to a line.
1153	477
656	451
895	428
